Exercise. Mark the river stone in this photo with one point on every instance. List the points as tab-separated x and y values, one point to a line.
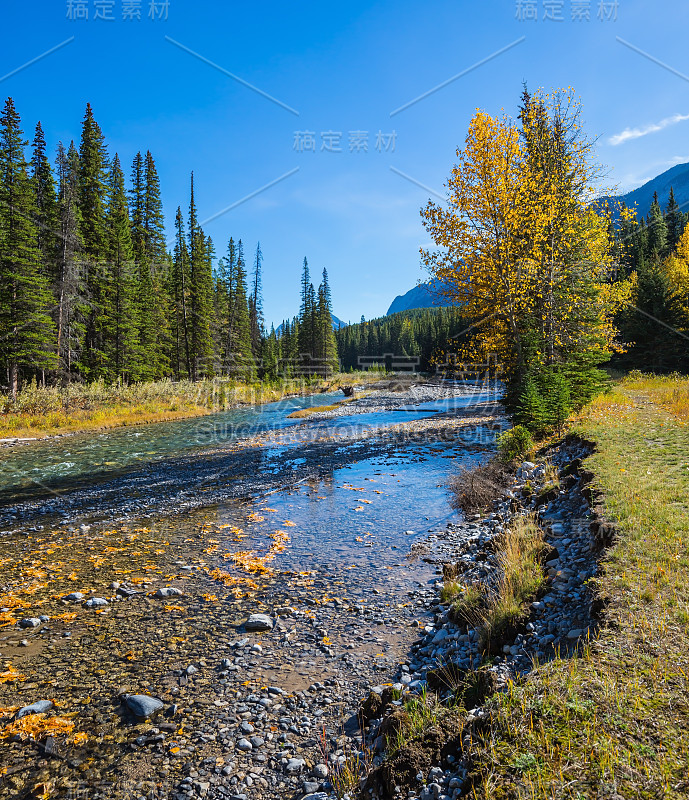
259	622
169	591
244	745
316	796
96	602
320	771
29	622
74	597
40	707
142	706
294	765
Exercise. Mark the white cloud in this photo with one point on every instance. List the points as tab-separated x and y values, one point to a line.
636	133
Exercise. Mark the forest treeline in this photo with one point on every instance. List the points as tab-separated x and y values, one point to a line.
654	250
91	289
398	340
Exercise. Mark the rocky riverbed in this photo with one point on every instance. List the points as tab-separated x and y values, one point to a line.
134	632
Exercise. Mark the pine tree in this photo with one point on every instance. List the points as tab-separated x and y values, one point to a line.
122	348
70	310
26	329
179	291
43	184
256	305
327	346
200	295
93	178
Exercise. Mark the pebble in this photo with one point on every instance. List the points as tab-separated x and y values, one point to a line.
168	591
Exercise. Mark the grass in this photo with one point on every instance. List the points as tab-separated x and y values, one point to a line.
612	721
309	412
522	577
465	609
45	411
420	713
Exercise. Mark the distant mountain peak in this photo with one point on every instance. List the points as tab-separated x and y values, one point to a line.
676	177
424	295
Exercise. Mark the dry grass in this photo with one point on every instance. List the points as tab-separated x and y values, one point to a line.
670	391
611	722
475	489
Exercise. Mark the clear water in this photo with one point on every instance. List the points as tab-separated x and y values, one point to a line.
105	451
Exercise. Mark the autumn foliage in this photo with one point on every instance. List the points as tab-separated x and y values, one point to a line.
527	256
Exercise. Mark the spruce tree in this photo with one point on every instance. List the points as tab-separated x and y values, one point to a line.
200	295
70	309
122	331
674	220
93	178
159	266
179	291
256	305
26	329
239	351
657	232
327	346
305	312
43	184
148	242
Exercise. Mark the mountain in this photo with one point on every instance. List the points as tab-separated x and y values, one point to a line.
337	324
676	177
425	295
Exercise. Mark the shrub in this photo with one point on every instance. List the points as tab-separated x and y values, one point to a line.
475	489
513	445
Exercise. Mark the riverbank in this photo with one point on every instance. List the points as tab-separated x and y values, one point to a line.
587	697
53	411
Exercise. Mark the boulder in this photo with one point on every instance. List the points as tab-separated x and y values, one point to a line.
143	706
259	622
40	707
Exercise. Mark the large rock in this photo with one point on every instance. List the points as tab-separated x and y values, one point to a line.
74	597
259	622
143	706
40	707
169	591
29	622
96	602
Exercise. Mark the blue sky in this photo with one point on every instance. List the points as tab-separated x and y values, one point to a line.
345	68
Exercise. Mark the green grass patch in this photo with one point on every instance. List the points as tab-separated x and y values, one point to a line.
612	721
